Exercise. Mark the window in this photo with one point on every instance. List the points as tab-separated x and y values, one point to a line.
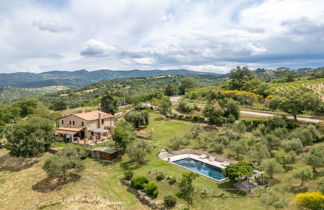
102	121
73	122
70	122
82	123
62	122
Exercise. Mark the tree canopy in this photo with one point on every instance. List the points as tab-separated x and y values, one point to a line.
295	101
237	171
239	76
123	135
30	137
108	103
137	118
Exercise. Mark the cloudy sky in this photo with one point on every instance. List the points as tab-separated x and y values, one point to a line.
203	35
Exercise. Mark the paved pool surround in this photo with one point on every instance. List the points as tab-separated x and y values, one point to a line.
201	158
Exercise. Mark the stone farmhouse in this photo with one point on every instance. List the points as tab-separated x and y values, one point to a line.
85	128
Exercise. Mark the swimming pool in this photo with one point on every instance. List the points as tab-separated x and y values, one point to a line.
202	168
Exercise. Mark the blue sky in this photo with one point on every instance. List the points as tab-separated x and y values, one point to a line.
202	35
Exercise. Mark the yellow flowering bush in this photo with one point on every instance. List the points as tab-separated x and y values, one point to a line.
244	97
310	200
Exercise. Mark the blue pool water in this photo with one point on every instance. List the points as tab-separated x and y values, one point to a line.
202	168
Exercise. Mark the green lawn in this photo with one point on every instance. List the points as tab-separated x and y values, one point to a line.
25	186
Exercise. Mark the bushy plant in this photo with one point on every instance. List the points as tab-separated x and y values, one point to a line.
177	141
128	175
184	107
310	200
251	124
320	185
307	135
217	147
293	145
139	182
273	199
172	181
303	174
170	201
236	171
315	157
188	117
160	177
198	118
151	189
180	116
276	122
64	164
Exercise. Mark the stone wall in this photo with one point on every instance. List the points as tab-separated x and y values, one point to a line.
142	196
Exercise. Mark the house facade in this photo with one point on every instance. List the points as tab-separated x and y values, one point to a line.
86	127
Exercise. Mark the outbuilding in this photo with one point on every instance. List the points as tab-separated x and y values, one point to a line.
105	153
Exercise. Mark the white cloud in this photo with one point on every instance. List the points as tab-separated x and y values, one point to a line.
51	26
144	61
203	35
94	47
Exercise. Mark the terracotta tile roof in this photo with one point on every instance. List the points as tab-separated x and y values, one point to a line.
93	115
68	130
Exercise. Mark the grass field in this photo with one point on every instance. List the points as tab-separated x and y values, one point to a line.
23	183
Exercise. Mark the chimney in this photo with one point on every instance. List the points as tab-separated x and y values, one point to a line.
99	119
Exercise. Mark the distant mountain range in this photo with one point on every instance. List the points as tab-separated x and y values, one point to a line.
83	77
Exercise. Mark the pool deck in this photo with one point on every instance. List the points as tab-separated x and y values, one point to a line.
166	156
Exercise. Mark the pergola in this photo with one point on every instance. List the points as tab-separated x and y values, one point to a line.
71	131
99	131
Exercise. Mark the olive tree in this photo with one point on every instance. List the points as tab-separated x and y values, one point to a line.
123	135
303	174
270	167
64	164
138	150
295	101
315	157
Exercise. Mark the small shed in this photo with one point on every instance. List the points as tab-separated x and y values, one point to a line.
105	153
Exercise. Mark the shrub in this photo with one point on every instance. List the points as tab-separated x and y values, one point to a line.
217	147
173	180
292	125
160	177
293	145
188	117
273	199
177	141
64	164
184	107
320	185
180	116
128	175
310	200
151	189
276	122
195	118
170	201
174	115
250	124
237	171
139	182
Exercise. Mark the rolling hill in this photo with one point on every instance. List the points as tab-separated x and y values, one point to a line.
82	77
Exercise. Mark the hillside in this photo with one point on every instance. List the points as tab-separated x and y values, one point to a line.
82	77
130	88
